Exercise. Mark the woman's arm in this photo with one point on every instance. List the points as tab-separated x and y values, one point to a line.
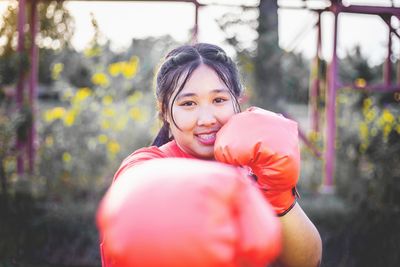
302	244
270	147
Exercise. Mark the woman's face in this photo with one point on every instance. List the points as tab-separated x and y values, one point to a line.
202	107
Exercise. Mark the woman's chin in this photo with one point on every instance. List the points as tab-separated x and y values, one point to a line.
205	152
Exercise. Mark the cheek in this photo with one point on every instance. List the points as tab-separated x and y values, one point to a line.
225	114
185	120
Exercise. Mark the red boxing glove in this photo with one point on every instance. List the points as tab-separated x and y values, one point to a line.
177	212
267	143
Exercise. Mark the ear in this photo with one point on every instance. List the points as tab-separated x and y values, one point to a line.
162	117
167	118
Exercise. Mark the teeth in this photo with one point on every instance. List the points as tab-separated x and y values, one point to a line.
207	136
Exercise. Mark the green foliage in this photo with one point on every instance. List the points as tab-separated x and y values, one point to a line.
8	127
369	144
56	25
84	133
296	78
92	129
368	178
56	29
270	75
354	67
36	232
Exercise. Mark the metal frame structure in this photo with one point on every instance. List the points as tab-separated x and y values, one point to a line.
334	84
32	79
336	7
33	73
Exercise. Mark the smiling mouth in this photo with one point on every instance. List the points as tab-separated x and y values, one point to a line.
207	139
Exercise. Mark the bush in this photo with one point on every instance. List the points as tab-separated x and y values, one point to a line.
368	178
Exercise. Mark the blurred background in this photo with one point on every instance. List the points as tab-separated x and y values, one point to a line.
79	99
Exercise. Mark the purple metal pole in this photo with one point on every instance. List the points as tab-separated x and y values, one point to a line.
331	115
20	84
372	10
398	72
388	63
31	149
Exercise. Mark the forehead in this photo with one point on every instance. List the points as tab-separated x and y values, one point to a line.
203	80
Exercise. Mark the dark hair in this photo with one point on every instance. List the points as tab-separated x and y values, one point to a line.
177	67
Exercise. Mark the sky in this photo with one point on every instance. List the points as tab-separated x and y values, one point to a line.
121	21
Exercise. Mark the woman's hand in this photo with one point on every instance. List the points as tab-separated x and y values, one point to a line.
184	212
268	144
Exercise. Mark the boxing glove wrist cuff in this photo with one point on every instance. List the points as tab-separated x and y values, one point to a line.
286	211
281	201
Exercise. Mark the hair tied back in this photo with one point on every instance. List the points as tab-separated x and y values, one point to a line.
222	56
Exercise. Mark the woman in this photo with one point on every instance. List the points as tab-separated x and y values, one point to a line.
198	92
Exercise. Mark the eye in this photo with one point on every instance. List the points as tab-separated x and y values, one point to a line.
187	104
219	100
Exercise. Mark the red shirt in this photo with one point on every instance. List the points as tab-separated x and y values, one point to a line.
168	150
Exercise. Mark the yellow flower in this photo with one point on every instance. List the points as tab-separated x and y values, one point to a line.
367	103
82	94
120	124
129	69
363	130
102	138
58	112
105	124
47	116
114	69
92	52
66	157
107	100
360	82
56	70
386	131
100	79
54	114
135	97
109	112
137	115
113	147
387	116
370	115
69	118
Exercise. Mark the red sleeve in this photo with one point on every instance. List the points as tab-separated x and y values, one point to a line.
139	156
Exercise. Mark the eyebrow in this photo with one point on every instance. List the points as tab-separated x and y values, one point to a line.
216	91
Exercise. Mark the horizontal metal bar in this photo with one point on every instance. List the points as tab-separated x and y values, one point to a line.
374	88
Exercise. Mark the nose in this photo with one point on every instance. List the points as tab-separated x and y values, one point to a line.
206	117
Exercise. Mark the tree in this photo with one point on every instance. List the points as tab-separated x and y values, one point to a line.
267	60
259	57
55	32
